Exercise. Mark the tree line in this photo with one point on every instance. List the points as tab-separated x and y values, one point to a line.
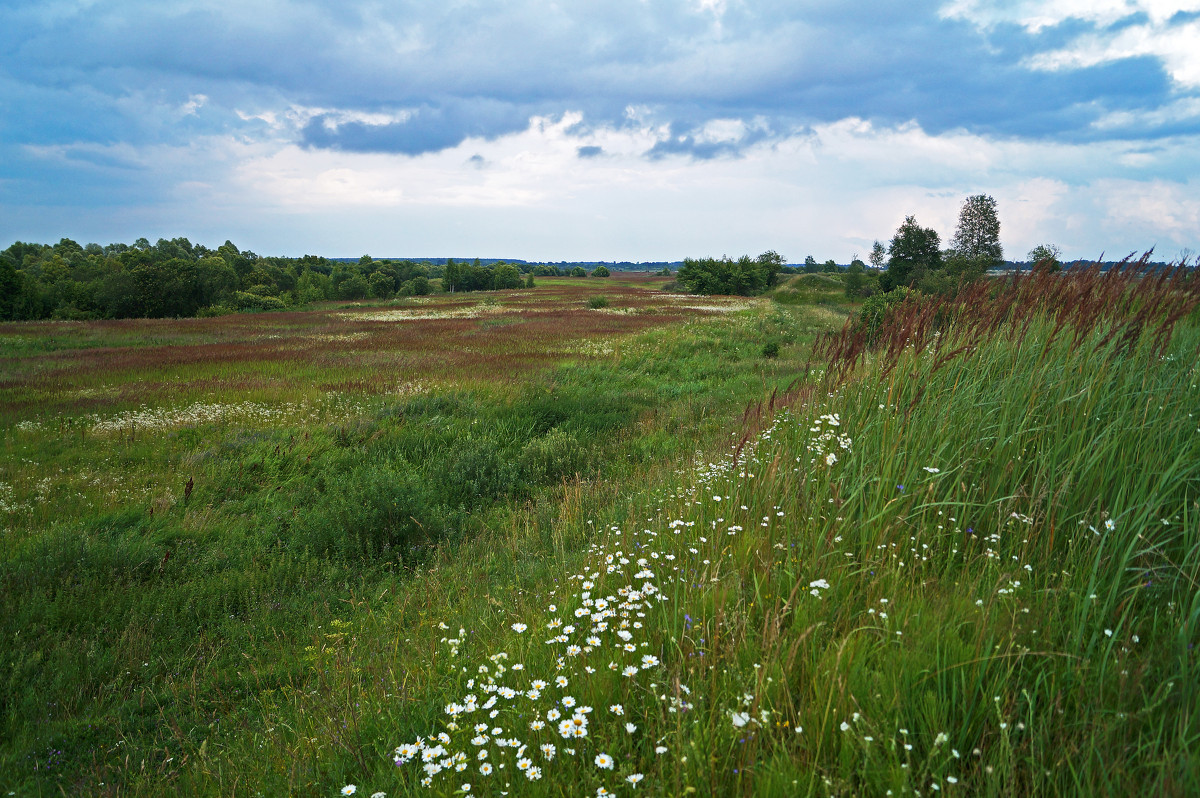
176	278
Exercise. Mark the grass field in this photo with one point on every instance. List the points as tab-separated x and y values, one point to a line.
526	543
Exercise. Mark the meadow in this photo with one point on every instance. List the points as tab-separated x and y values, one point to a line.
532	543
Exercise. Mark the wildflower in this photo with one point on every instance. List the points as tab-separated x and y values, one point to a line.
466	787
561	681
519	627
740	719
830	459
845	726
604	761
486	768
630	670
660	749
533	773
379	794
349	789
932	470
1110	524
630	728
634	778
548	750
617	709
523	763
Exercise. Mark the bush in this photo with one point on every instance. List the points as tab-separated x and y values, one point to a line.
770	349
877	308
600	271
597	302
214	310
247	301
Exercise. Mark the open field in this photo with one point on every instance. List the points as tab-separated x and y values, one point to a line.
546	552
132	601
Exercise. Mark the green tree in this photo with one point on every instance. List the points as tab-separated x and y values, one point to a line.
600	271
914	252
855	279
770	262
505	276
977	237
381	285
578	271
810	265
878	256
452	276
354	287
1046	256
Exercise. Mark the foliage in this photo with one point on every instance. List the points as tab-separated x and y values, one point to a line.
876	310
176	279
914	252
977	237
745	277
1045	256
878	255
597	302
600	271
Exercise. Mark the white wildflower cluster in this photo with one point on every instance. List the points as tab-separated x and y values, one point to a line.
512	719
151	419
826	439
7	502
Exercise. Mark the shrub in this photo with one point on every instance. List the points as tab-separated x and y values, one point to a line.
770	349
597	302
876	309
600	271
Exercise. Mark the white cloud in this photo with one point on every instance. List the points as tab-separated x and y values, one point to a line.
1035	15
1177	46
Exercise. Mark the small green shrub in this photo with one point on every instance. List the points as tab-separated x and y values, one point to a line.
597	302
770	349
877	308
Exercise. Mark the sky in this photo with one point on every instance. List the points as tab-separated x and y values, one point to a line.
640	130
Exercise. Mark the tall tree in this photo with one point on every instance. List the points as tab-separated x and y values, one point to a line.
978	235
878	256
914	252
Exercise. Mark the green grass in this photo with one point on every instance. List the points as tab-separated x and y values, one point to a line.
990	586
147	622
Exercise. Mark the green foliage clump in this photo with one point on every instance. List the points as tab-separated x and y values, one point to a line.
876	310
597	302
745	277
600	271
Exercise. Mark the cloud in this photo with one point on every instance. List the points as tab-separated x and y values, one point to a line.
485	70
723	126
